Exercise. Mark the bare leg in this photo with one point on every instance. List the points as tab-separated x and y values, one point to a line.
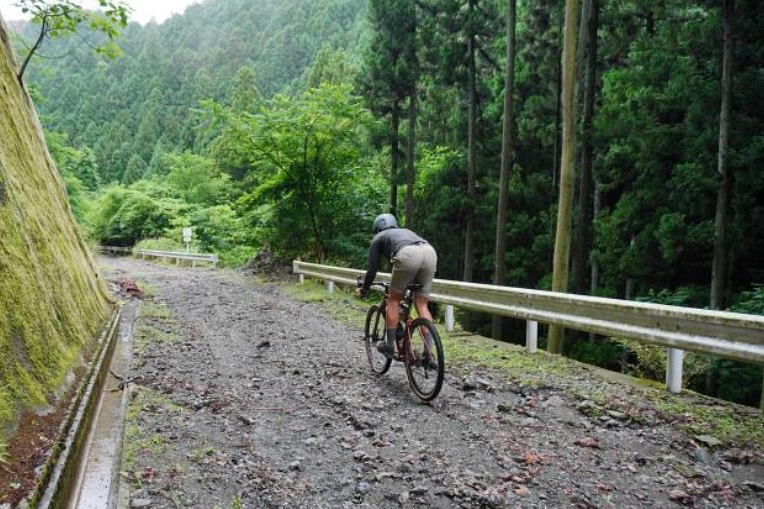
421	307
424	312
393	304
391	320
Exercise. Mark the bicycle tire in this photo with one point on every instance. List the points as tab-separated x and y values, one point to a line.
425	379
375	331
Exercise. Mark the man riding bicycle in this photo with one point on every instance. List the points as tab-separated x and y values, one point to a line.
413	260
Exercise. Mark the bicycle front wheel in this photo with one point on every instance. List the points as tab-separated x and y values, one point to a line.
374	332
424	360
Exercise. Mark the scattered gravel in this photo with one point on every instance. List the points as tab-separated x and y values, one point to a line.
269	403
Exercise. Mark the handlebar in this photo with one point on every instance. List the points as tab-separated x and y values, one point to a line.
382	284
385	285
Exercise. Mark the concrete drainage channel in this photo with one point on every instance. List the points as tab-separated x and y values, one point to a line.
84	474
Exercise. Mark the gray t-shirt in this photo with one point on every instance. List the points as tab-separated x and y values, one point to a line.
387	243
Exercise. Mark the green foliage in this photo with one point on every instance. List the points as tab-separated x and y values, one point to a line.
307	191
196	180
123	216
750	301
59	18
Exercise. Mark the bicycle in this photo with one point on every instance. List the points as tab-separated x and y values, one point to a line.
424	363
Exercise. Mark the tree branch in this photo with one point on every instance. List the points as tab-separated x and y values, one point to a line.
43	31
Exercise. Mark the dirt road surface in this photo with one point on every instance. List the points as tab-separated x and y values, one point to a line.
246	398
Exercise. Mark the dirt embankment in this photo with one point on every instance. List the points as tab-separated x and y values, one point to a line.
245	397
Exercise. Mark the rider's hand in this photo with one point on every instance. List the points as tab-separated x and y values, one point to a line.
360	293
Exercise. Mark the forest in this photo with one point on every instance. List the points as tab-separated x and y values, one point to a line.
289	125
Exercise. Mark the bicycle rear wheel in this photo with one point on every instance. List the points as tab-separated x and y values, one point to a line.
425	363
376	331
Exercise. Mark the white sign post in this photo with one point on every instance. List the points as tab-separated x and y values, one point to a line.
187	237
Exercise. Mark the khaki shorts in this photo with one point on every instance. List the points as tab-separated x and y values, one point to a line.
414	264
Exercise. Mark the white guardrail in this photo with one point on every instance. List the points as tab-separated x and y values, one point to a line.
178	256
731	335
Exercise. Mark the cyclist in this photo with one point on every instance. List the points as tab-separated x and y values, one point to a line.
413	260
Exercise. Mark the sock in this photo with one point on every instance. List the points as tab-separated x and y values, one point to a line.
391	337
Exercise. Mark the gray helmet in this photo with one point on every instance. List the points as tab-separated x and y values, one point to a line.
384	222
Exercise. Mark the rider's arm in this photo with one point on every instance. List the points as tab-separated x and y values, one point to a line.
375	252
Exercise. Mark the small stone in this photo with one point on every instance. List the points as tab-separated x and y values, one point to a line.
295	465
521	491
403	497
501	407
310	441
701	455
755	486
640	460
140	503
362	488
617	415
418	491
554	401
708	441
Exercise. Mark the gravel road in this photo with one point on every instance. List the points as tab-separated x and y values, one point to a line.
244	397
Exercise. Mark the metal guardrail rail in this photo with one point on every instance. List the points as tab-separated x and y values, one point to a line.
731	335
178	256
115	249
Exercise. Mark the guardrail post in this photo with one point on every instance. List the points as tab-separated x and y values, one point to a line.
330	286
674	370
449	317
531	336
302	278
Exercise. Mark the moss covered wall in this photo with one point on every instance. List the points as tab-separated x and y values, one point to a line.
52	302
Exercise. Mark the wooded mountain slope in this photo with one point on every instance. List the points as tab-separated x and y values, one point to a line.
133	110
51	300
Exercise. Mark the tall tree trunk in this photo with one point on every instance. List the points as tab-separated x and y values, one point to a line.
557	122
595	281
722	200
394	123
469	247
567	168
410	154
507	157
585	213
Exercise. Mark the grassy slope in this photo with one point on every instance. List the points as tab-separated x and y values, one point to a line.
51	300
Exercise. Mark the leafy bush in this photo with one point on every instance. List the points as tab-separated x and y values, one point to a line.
122	217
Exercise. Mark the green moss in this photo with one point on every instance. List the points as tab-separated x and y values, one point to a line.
732	424
138	440
52	302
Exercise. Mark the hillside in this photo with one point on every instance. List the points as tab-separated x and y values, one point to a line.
132	110
51	300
